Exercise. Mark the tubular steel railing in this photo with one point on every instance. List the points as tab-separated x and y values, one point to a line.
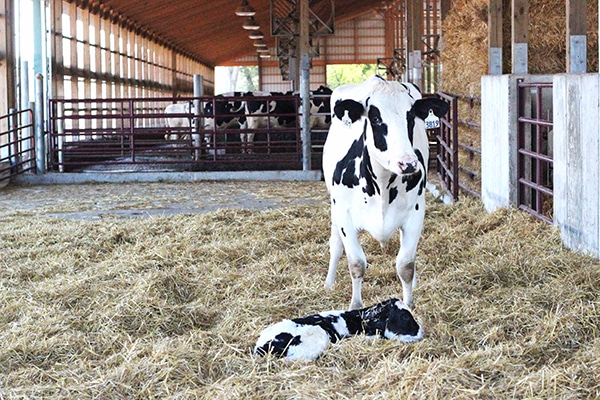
17	148
447	148
110	134
534	161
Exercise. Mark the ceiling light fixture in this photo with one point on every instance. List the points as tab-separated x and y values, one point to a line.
262	50
264	55
257	34
260	43
251	24
245	10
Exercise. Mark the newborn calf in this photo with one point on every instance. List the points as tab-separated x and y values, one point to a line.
306	338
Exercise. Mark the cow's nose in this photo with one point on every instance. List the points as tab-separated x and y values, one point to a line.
408	167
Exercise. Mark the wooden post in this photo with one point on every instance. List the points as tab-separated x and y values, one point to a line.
56	52
520	35
414	50
495	37
576	36
7	60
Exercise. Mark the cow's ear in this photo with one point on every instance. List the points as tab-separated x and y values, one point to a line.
422	106
348	111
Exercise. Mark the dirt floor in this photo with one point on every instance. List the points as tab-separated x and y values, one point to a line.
93	201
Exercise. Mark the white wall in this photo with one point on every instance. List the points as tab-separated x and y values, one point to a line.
577	160
498	141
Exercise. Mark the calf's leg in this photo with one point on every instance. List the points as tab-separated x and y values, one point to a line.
410	233
336	249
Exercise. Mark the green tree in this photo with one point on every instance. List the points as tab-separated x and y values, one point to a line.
342	74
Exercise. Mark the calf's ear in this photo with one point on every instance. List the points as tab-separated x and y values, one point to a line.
348	111
422	106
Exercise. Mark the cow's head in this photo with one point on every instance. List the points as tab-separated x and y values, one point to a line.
390	121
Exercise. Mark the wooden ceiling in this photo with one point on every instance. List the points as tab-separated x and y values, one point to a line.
209	30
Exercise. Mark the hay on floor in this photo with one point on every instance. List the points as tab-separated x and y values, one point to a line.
169	306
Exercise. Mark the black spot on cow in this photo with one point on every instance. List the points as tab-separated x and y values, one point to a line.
333	200
279	345
417	207
380	129
343	232
392	180
352	108
422	162
327	323
366	171
393	194
410	124
414	180
345	169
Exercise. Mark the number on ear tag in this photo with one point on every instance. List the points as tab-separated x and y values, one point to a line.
432	122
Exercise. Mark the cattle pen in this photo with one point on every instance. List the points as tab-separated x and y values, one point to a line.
158	290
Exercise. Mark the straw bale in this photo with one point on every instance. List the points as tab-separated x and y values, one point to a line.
464	54
169	306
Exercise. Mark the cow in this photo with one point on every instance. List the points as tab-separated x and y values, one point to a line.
320	109
264	112
178	117
227	111
375	168
306	338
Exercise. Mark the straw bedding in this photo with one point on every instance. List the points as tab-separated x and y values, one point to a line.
465	54
169	306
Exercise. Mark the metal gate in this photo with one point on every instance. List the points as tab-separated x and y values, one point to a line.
447	148
534	162
17	148
133	135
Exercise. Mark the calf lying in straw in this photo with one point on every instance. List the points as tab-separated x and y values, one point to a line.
306	338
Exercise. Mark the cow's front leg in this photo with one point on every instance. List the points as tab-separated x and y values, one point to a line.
357	264
336	249
249	143
405	261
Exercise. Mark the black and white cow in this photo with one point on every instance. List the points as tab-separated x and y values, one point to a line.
226	111
320	108
375	167
269	110
306	338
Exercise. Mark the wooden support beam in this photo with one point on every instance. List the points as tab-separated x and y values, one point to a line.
7	58
56	51
576	36
414	43
495	37
520	36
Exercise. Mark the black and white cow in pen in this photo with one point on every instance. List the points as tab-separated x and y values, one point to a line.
320	109
375	168
227	111
306	338
269	110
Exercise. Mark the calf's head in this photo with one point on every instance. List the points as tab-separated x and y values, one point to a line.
393	320
390	122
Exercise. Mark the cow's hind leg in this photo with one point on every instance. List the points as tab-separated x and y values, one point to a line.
405	261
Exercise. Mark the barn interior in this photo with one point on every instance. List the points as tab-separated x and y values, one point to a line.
105	72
